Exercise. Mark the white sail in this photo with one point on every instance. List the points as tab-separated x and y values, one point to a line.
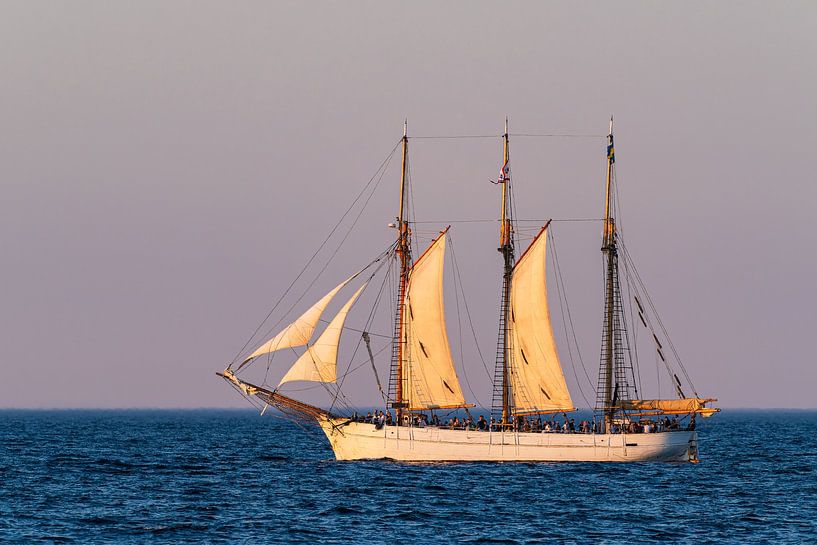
537	381
300	331
319	362
428	369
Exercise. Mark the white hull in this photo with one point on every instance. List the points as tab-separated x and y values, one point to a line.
360	441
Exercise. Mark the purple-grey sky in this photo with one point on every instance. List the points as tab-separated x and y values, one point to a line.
167	167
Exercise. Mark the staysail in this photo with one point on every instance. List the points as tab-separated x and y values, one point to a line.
300	331
537	381
428	369
319	362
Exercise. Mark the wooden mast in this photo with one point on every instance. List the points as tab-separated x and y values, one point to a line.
507	250
404	255
609	249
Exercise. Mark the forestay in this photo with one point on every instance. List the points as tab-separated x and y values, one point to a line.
537	381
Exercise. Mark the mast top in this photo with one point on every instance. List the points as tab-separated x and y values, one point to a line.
405	127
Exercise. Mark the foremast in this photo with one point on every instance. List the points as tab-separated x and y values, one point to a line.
503	395
403	251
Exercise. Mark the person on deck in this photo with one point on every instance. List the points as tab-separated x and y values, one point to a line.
482	424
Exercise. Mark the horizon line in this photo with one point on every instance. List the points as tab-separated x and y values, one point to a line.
253	409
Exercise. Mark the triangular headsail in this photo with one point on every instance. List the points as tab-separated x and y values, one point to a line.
537	380
319	362
430	378
300	331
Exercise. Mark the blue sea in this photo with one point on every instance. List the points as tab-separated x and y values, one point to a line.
231	476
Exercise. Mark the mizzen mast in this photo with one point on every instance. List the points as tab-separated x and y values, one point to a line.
503	397
614	388
608	248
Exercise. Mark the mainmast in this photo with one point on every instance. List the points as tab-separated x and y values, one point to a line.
403	250
502	383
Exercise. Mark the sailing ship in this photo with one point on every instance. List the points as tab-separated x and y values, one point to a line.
529	380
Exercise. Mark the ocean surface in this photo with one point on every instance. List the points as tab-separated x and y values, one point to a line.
221	476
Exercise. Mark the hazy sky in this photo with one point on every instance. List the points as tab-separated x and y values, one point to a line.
167	167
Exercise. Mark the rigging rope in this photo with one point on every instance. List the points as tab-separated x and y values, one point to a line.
338	394
654	310
380	168
565	312
524	135
455	275
368	322
337	249
494	220
468	314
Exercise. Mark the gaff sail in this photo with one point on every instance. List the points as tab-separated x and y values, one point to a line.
428	368
536	376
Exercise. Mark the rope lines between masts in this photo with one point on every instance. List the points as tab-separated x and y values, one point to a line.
567	318
458	289
495	220
517	134
378	177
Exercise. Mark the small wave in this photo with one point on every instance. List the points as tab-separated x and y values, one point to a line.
173	528
274	458
342	510
58	539
111	465
751	517
497	540
98	520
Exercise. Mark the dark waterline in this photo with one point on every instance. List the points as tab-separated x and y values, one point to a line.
230	476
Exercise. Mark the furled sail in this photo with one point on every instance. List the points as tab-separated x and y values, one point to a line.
669	406
319	362
537	381
428	369
300	331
